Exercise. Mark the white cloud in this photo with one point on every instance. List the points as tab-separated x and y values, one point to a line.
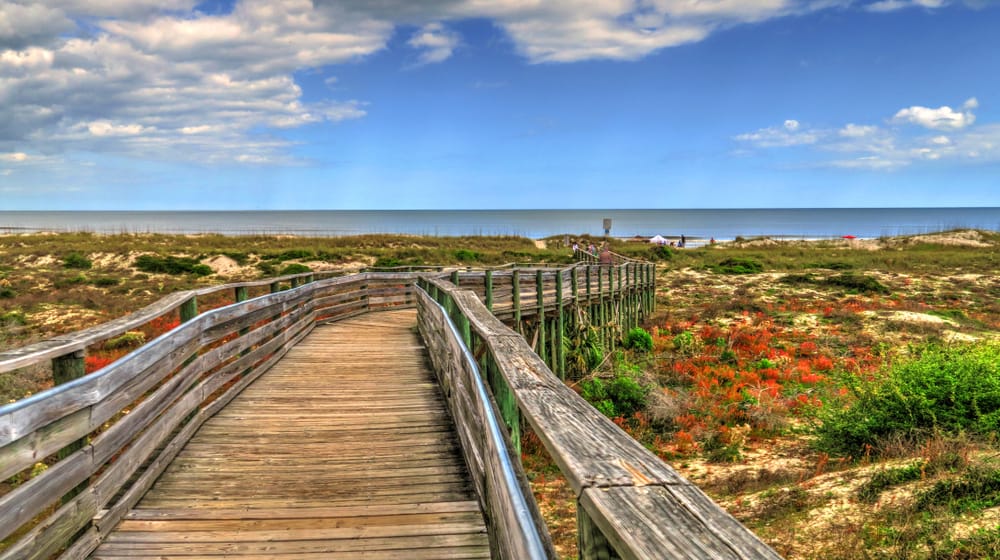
857	131
893	5
875	147
790	134
942	118
436	42
14	157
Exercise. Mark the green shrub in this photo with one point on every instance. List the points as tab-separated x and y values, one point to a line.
201	270
887	478
661	253
13	318
7	293
291	255
797	279
738	265
295	268
387	262
620	396
130	339
687	344
171	265
941	389
76	260
859	283
831	265
466	255
105	281
977	489
240	258
639	339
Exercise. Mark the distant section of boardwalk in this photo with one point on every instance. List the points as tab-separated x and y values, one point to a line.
344	450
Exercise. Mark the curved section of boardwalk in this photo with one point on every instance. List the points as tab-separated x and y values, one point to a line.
344	450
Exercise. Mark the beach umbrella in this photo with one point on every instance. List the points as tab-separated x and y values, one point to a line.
658	239
849	237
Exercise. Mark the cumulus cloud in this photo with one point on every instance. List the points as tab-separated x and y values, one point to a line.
436	42
184	85
161	79
942	118
893	146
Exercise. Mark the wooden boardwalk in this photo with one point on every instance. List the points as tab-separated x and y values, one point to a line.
343	450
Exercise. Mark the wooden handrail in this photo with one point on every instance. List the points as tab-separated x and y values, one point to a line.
125	422
631	505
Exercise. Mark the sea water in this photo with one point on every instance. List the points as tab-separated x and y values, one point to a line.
722	224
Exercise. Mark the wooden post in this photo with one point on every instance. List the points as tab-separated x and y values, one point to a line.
275	287
560	358
66	368
489	290
242	295
466	329
515	278
612	316
575	286
590	541
554	350
189	309
540	297
653	288
455	278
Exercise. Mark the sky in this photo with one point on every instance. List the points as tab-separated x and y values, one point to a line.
456	104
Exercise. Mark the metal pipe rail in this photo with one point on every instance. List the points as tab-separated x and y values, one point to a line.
517	528
630	504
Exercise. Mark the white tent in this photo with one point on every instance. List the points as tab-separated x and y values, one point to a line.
658	239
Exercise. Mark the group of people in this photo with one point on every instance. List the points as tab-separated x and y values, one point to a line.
604	255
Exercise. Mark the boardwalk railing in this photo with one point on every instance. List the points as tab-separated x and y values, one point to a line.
107	436
631	505
111	433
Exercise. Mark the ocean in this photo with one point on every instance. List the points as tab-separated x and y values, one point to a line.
696	224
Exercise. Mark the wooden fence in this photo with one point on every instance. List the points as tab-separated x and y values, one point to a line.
107	436
113	432
630	504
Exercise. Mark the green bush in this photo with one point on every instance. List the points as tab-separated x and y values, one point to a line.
76	260
620	396
240	258
466	255
858	283
171	265
291	255
738	265
661	253
130	339
7	293
639	339
295	268
387	262
105	281
941	389
13	318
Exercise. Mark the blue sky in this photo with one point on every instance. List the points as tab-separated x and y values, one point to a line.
343	104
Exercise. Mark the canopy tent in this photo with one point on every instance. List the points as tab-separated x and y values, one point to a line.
658	239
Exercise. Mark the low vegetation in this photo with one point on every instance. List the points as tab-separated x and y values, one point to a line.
839	397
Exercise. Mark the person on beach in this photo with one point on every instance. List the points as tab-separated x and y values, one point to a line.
591	249
606	258
683	241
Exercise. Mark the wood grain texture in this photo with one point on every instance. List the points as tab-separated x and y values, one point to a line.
343	450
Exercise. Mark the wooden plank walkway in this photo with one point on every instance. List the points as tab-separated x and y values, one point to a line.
344	450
